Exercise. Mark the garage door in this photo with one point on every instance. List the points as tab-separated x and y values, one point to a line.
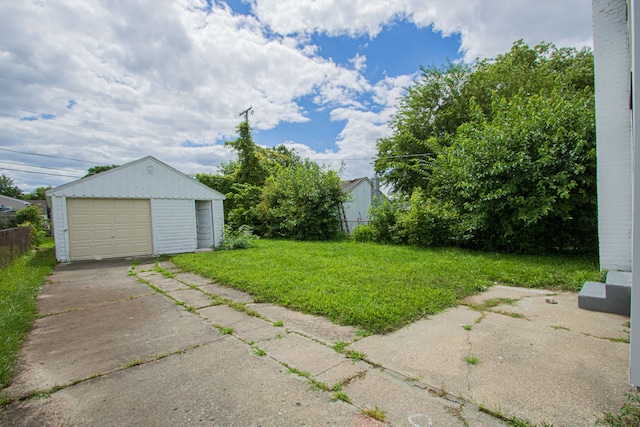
108	228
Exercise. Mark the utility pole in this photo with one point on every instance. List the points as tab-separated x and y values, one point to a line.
246	114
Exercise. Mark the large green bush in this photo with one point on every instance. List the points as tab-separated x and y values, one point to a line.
499	155
31	217
301	202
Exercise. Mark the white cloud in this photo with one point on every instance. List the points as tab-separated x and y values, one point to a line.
143	77
486	27
112	82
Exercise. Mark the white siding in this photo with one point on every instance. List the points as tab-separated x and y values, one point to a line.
146	178
357	210
60	228
218	222
174	226
613	133
634	362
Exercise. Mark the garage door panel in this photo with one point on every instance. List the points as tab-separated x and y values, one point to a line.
104	228
141	233
80	219
84	235
99	203
122	218
103	234
123	233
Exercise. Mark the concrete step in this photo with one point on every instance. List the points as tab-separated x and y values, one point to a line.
614	296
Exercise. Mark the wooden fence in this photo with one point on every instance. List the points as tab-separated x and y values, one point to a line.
13	243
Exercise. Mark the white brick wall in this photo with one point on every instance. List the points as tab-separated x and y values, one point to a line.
613	133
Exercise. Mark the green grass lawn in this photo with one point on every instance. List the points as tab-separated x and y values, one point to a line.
378	288
19	285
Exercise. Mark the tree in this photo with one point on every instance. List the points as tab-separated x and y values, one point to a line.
302	202
276	193
7	187
512	166
438	103
37	194
249	169
524	179
93	170
427	118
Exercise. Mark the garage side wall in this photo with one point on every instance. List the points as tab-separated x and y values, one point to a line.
218	222
60	228
174	226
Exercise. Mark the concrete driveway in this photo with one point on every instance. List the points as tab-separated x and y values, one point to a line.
150	345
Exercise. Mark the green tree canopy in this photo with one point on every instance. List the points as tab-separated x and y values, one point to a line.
504	161
275	192
97	169
301	202
37	194
8	188
439	102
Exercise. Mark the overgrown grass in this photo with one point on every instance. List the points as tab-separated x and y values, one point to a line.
19	285
378	288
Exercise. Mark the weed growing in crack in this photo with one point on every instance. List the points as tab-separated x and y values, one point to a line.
318	385
132	363
467	327
40	395
4	400
340	346
356	356
278	324
628	416
471	360
226	330
163	271
560	328
259	352
375	413
338	395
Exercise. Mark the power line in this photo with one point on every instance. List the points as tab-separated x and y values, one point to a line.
39	173
36	166
49	155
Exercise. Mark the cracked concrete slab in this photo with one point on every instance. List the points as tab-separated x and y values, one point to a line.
405	405
229	293
526	367
165	284
66	347
316	327
57	297
304	354
192	297
191	279
218	384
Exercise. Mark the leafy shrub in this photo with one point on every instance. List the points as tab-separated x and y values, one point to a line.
364	233
384	218
427	222
238	239
301	202
31	217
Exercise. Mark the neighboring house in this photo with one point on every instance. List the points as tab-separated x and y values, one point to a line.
356	209
141	208
617	66
15	204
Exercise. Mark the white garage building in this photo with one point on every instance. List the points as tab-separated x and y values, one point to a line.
141	208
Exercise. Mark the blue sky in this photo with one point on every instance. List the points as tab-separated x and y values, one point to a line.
86	84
